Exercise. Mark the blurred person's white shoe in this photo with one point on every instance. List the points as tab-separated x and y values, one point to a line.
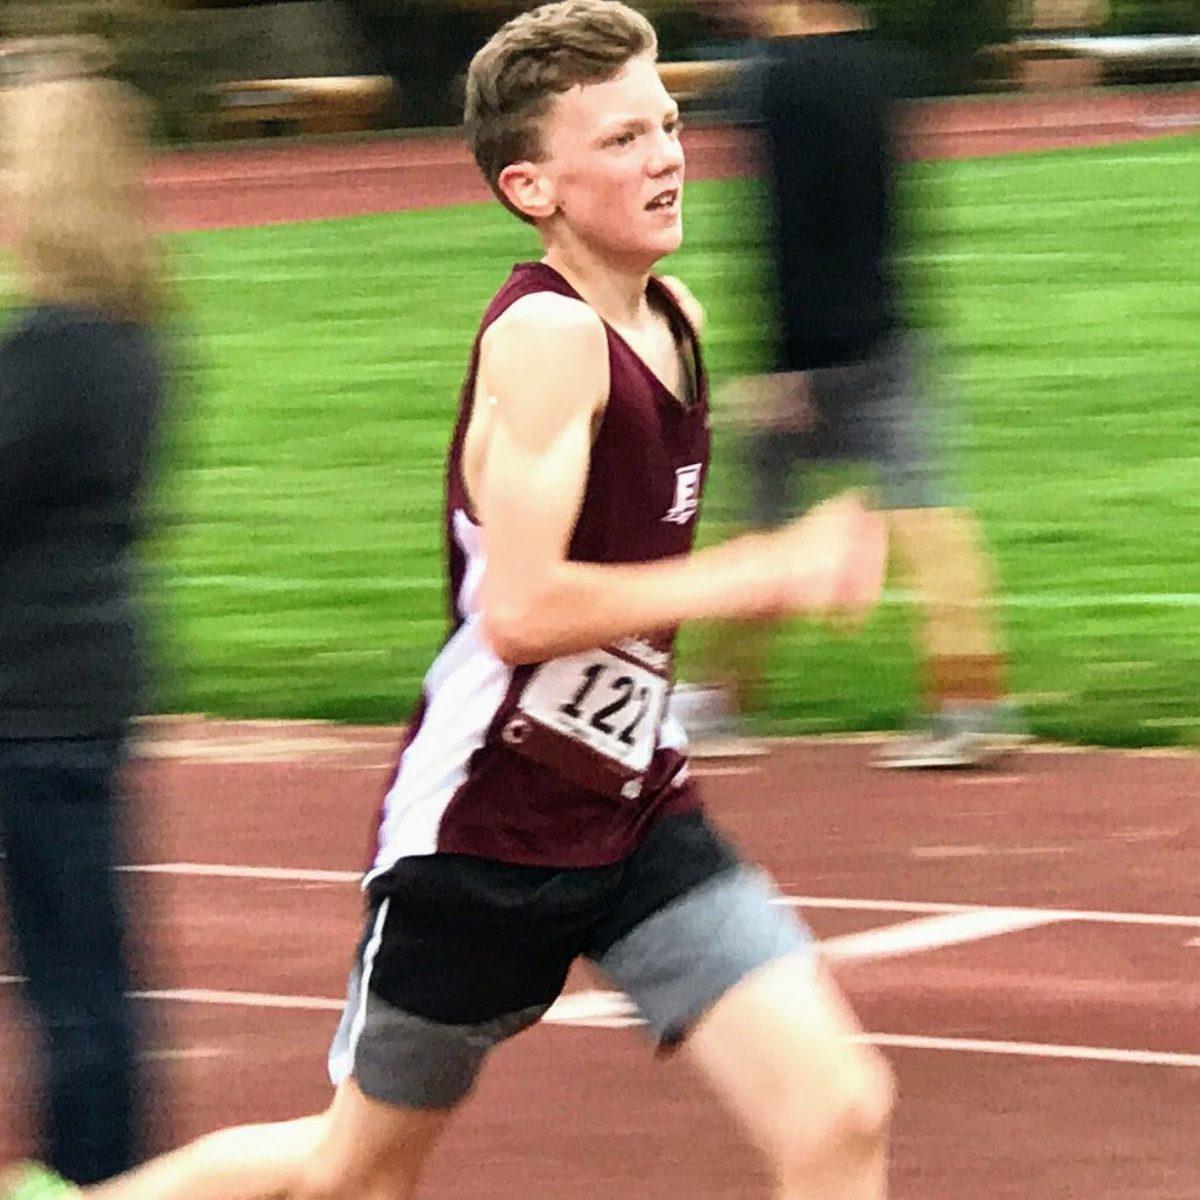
713	727
960	736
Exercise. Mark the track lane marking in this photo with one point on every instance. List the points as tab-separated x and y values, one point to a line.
232	871
932	933
844	903
1109	1054
1094	916
611	1010
242	999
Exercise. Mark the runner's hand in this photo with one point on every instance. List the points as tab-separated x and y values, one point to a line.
834	560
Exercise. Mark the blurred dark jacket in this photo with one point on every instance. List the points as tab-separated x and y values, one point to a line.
80	401
827	106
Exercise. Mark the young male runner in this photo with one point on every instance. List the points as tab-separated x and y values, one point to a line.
541	810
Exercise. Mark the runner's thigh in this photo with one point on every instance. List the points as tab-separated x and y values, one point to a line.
693	922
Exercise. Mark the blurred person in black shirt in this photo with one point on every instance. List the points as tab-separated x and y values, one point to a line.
81	393
848	378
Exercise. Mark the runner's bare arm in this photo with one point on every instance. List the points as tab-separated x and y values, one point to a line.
545	364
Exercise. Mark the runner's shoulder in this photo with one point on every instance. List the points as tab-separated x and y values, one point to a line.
545	340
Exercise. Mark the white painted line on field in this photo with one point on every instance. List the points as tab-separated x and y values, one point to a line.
242	999
1102	600
606	1010
907	937
1112	1054
1186	921
1007	913
1071	599
182	1054
594	1009
611	1010
227	871
932	933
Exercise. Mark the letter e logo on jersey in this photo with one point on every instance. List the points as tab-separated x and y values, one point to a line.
687	494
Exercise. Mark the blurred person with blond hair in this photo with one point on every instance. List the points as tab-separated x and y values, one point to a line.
81	393
849	381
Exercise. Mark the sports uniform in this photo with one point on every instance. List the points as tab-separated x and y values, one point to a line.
543	812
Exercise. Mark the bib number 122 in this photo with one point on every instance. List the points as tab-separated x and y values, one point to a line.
628	704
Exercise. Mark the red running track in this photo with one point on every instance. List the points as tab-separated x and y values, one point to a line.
587	1112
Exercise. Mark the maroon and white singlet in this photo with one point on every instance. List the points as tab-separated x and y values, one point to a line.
564	763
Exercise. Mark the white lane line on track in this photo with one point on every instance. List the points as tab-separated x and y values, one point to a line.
230	871
610	1010
932	933
242	999
844	903
1168	920
908	937
594	1009
183	1054
1110	1054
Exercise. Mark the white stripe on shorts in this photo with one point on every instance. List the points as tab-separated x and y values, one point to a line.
343	1068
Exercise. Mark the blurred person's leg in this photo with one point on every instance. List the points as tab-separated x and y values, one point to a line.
60	824
735	656
942	561
875	411
738	654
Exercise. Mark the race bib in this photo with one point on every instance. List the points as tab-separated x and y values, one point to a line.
607	703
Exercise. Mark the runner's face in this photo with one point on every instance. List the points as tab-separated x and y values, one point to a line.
615	165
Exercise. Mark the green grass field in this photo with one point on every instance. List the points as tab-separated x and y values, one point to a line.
300	559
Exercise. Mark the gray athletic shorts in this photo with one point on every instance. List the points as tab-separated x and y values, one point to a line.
874	412
464	953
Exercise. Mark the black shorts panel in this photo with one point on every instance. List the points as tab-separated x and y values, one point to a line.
468	940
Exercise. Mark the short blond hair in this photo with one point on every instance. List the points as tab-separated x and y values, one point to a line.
537	56
73	155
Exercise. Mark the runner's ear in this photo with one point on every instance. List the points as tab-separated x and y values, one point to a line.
527	189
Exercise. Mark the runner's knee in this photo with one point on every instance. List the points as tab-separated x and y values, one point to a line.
855	1119
365	1151
867	1109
